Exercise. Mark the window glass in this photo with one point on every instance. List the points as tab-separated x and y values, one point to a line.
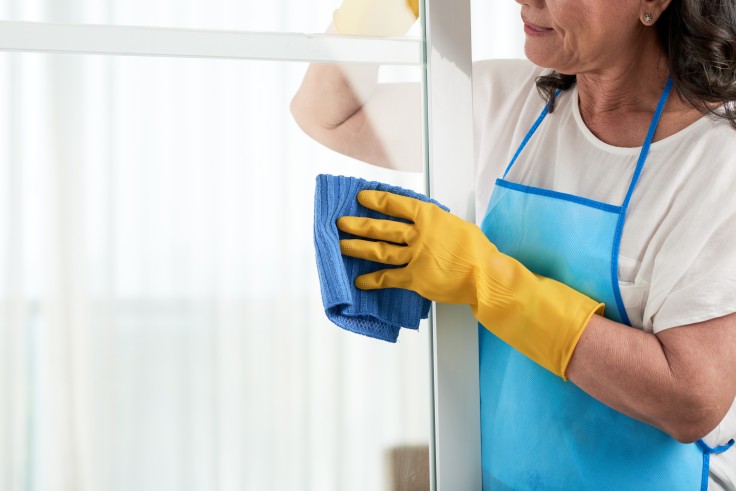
161	321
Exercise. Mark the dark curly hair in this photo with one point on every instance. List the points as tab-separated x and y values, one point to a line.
699	40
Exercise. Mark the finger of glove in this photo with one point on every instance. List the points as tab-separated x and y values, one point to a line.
388	230
391	204
385	278
380	252
414	6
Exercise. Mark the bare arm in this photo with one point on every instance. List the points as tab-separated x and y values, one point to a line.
681	380
344	108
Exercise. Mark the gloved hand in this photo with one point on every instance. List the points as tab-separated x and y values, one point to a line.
375	17
450	260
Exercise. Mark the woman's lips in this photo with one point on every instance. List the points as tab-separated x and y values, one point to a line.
535	30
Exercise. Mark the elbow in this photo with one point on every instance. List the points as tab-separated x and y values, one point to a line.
695	419
687	433
698	397
302	113
297	111
305	115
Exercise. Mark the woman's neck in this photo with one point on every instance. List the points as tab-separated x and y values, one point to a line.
617	103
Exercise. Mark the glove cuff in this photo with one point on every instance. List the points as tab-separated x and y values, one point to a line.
544	321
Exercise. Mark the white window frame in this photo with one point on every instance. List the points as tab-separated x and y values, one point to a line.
456	454
42	37
445	53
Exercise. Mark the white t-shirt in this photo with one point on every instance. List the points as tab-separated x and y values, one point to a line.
677	261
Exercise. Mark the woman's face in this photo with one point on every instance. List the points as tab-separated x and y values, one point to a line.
578	36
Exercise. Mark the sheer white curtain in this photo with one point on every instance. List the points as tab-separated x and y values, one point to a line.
160	320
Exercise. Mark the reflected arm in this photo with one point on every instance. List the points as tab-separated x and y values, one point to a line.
345	109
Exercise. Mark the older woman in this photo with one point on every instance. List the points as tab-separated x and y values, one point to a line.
605	249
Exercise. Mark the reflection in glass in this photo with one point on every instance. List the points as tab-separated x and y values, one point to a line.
161	326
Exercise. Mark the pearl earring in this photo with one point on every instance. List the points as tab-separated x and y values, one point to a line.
648	18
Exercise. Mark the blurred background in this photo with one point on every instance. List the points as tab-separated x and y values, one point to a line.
161	326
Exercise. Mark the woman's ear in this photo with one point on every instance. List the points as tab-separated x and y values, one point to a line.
651	10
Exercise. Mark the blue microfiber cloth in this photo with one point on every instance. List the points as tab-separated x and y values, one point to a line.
376	313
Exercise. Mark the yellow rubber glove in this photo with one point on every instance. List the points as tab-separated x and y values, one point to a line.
375	17
450	260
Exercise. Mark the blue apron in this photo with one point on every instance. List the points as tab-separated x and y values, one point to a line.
537	431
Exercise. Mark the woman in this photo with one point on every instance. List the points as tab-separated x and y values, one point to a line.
614	196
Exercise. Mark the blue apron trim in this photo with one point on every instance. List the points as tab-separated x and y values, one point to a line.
556	194
648	142
707	451
625	206
529	134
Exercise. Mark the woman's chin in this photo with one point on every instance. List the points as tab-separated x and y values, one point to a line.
544	58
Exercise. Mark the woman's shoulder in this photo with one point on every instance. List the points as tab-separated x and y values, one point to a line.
709	143
710	155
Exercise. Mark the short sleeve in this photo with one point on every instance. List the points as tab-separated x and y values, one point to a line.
694	278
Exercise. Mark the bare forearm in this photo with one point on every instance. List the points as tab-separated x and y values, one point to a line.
667	384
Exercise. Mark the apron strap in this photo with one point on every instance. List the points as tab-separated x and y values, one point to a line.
647	143
707	451
624	207
529	134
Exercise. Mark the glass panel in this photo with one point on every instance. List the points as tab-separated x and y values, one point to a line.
161	325
312	16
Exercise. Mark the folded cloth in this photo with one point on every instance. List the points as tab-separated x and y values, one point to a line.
375	313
